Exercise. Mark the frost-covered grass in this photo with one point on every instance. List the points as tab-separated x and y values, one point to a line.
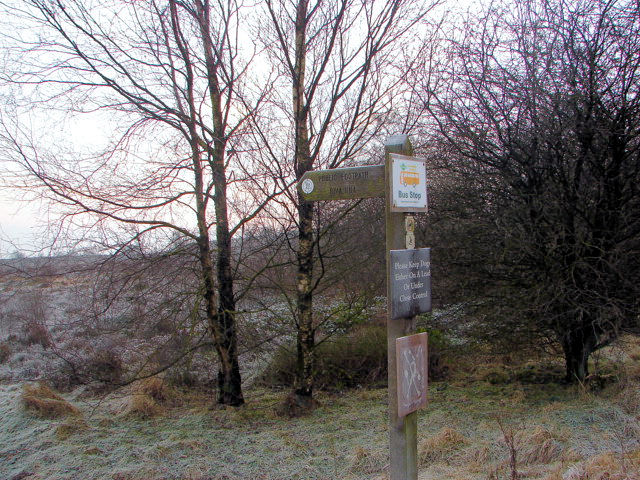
559	432
193	441
557	429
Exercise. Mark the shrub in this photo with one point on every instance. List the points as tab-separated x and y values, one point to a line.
629	399
182	378
295	406
44	402
81	363
5	352
280	371
169	350
358	358
536	373
351	360
437	339
106	366
438	345
496	375
62	375
37	333
31	311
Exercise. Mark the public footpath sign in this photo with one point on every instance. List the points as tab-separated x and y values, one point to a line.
343	183
402	181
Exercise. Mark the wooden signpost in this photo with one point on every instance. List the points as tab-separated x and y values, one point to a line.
402	181
343	183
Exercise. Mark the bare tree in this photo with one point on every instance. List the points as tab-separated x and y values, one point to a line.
340	62
175	77
539	110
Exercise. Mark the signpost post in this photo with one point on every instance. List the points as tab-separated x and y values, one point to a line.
403	430
402	182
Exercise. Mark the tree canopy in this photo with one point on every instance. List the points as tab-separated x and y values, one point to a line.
538	109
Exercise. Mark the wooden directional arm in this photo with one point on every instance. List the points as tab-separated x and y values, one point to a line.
342	183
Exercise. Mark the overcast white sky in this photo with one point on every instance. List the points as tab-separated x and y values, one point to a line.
22	223
18	222
23	220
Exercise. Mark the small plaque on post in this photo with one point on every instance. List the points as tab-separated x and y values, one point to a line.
410	280
411	364
408	184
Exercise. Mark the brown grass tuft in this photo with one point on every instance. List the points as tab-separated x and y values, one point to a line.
607	466
476	458
602	466
517	397
572	455
156	388
440	446
143	406
364	461
71	427
552	407
149	398
539	446
44	402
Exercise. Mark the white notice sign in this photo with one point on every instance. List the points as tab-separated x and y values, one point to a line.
408	184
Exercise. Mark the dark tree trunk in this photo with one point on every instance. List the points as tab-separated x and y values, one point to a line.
229	381
220	314
577	345
222	322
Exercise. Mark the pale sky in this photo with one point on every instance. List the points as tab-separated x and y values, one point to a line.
19	222
22	223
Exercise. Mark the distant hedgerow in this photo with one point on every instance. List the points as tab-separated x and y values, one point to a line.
355	359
